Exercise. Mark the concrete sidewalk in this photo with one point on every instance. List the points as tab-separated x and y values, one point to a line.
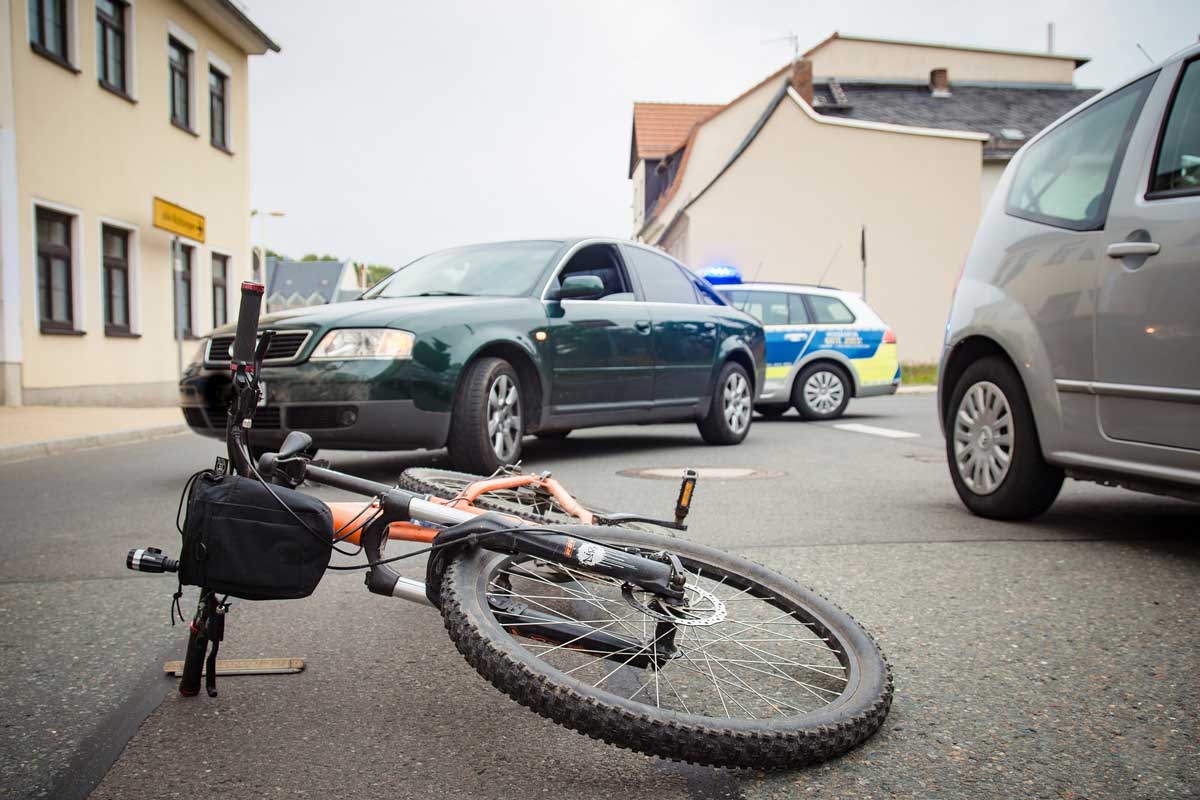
35	431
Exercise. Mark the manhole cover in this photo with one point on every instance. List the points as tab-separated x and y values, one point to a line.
703	473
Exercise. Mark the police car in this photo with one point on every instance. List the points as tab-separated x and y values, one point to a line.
824	345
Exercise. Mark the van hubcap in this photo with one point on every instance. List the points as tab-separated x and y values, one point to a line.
823	392
983	437
504	418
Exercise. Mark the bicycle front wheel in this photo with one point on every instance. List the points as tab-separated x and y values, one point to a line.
765	673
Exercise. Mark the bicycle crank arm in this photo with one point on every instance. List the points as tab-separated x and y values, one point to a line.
563	632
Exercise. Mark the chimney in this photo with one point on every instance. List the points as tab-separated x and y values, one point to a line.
939	82
802	79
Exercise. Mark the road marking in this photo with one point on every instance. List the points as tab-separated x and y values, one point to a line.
889	433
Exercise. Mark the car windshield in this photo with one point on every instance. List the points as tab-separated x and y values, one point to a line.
507	269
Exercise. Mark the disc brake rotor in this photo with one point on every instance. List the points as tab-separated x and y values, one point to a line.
702	607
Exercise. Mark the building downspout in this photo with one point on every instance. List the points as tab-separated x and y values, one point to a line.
10	247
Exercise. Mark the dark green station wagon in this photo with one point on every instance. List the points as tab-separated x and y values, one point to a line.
476	347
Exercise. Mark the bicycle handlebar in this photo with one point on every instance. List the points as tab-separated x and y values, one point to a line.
247	324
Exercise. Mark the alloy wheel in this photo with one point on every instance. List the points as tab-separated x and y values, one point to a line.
736	399
504	418
823	391
983	437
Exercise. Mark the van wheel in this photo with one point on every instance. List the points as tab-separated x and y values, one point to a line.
821	391
728	418
487	424
992	445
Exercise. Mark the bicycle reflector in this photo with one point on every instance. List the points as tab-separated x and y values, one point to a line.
686	490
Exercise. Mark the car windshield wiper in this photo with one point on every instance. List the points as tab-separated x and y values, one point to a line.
439	293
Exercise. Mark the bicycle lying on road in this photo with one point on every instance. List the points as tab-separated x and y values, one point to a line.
625	634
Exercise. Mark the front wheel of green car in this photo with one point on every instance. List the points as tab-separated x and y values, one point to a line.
487	422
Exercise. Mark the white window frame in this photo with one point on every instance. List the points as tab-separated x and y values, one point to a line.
215	62
176	32
134	255
78	250
230	266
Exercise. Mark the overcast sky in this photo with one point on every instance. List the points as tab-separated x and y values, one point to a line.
386	129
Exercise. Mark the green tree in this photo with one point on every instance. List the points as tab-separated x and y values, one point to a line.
377	272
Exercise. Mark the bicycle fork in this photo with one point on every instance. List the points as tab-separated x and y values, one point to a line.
659	574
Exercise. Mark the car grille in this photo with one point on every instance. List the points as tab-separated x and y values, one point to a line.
267	417
285	346
303	418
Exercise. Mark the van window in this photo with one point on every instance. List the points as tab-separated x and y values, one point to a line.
1177	167
769	308
797	310
829	310
1066	178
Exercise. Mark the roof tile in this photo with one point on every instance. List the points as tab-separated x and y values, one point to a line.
662	128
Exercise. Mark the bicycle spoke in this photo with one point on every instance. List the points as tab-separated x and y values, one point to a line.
756	664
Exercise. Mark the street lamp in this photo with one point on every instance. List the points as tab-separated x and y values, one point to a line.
261	250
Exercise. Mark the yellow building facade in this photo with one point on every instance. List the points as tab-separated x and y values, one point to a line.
104	107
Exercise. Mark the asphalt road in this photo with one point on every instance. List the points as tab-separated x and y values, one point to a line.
1049	659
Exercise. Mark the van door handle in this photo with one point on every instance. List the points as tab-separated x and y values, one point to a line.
642	326
1123	249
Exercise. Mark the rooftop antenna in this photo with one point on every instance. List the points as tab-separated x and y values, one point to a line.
821	280
1147	55
791	37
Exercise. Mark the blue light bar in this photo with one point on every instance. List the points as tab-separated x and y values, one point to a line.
722	274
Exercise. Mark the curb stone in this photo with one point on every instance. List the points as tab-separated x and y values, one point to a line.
54	447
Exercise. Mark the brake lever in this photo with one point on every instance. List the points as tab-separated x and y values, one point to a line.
260	353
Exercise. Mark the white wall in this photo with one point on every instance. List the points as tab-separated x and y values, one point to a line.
792	207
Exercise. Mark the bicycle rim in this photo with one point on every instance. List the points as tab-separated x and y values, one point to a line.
767	674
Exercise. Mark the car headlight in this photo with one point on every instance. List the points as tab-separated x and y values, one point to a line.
350	343
198	356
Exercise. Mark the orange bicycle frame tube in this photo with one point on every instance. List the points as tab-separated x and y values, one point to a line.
352	513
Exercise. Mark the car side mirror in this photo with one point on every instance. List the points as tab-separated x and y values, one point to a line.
578	287
295	444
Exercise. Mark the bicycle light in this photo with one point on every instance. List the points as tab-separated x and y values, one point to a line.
150	559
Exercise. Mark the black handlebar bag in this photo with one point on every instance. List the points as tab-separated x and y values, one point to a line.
239	540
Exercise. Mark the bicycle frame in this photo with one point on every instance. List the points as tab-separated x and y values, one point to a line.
407	516
344	513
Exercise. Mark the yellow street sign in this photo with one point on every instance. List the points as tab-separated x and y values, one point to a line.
178	219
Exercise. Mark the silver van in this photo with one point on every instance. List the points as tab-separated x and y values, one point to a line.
1073	345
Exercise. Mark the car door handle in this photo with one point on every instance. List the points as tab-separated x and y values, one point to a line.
642	326
1123	249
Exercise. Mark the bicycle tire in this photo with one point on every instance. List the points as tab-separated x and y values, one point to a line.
794	740
448	485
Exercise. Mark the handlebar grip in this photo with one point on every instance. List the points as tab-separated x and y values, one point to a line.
247	324
193	663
